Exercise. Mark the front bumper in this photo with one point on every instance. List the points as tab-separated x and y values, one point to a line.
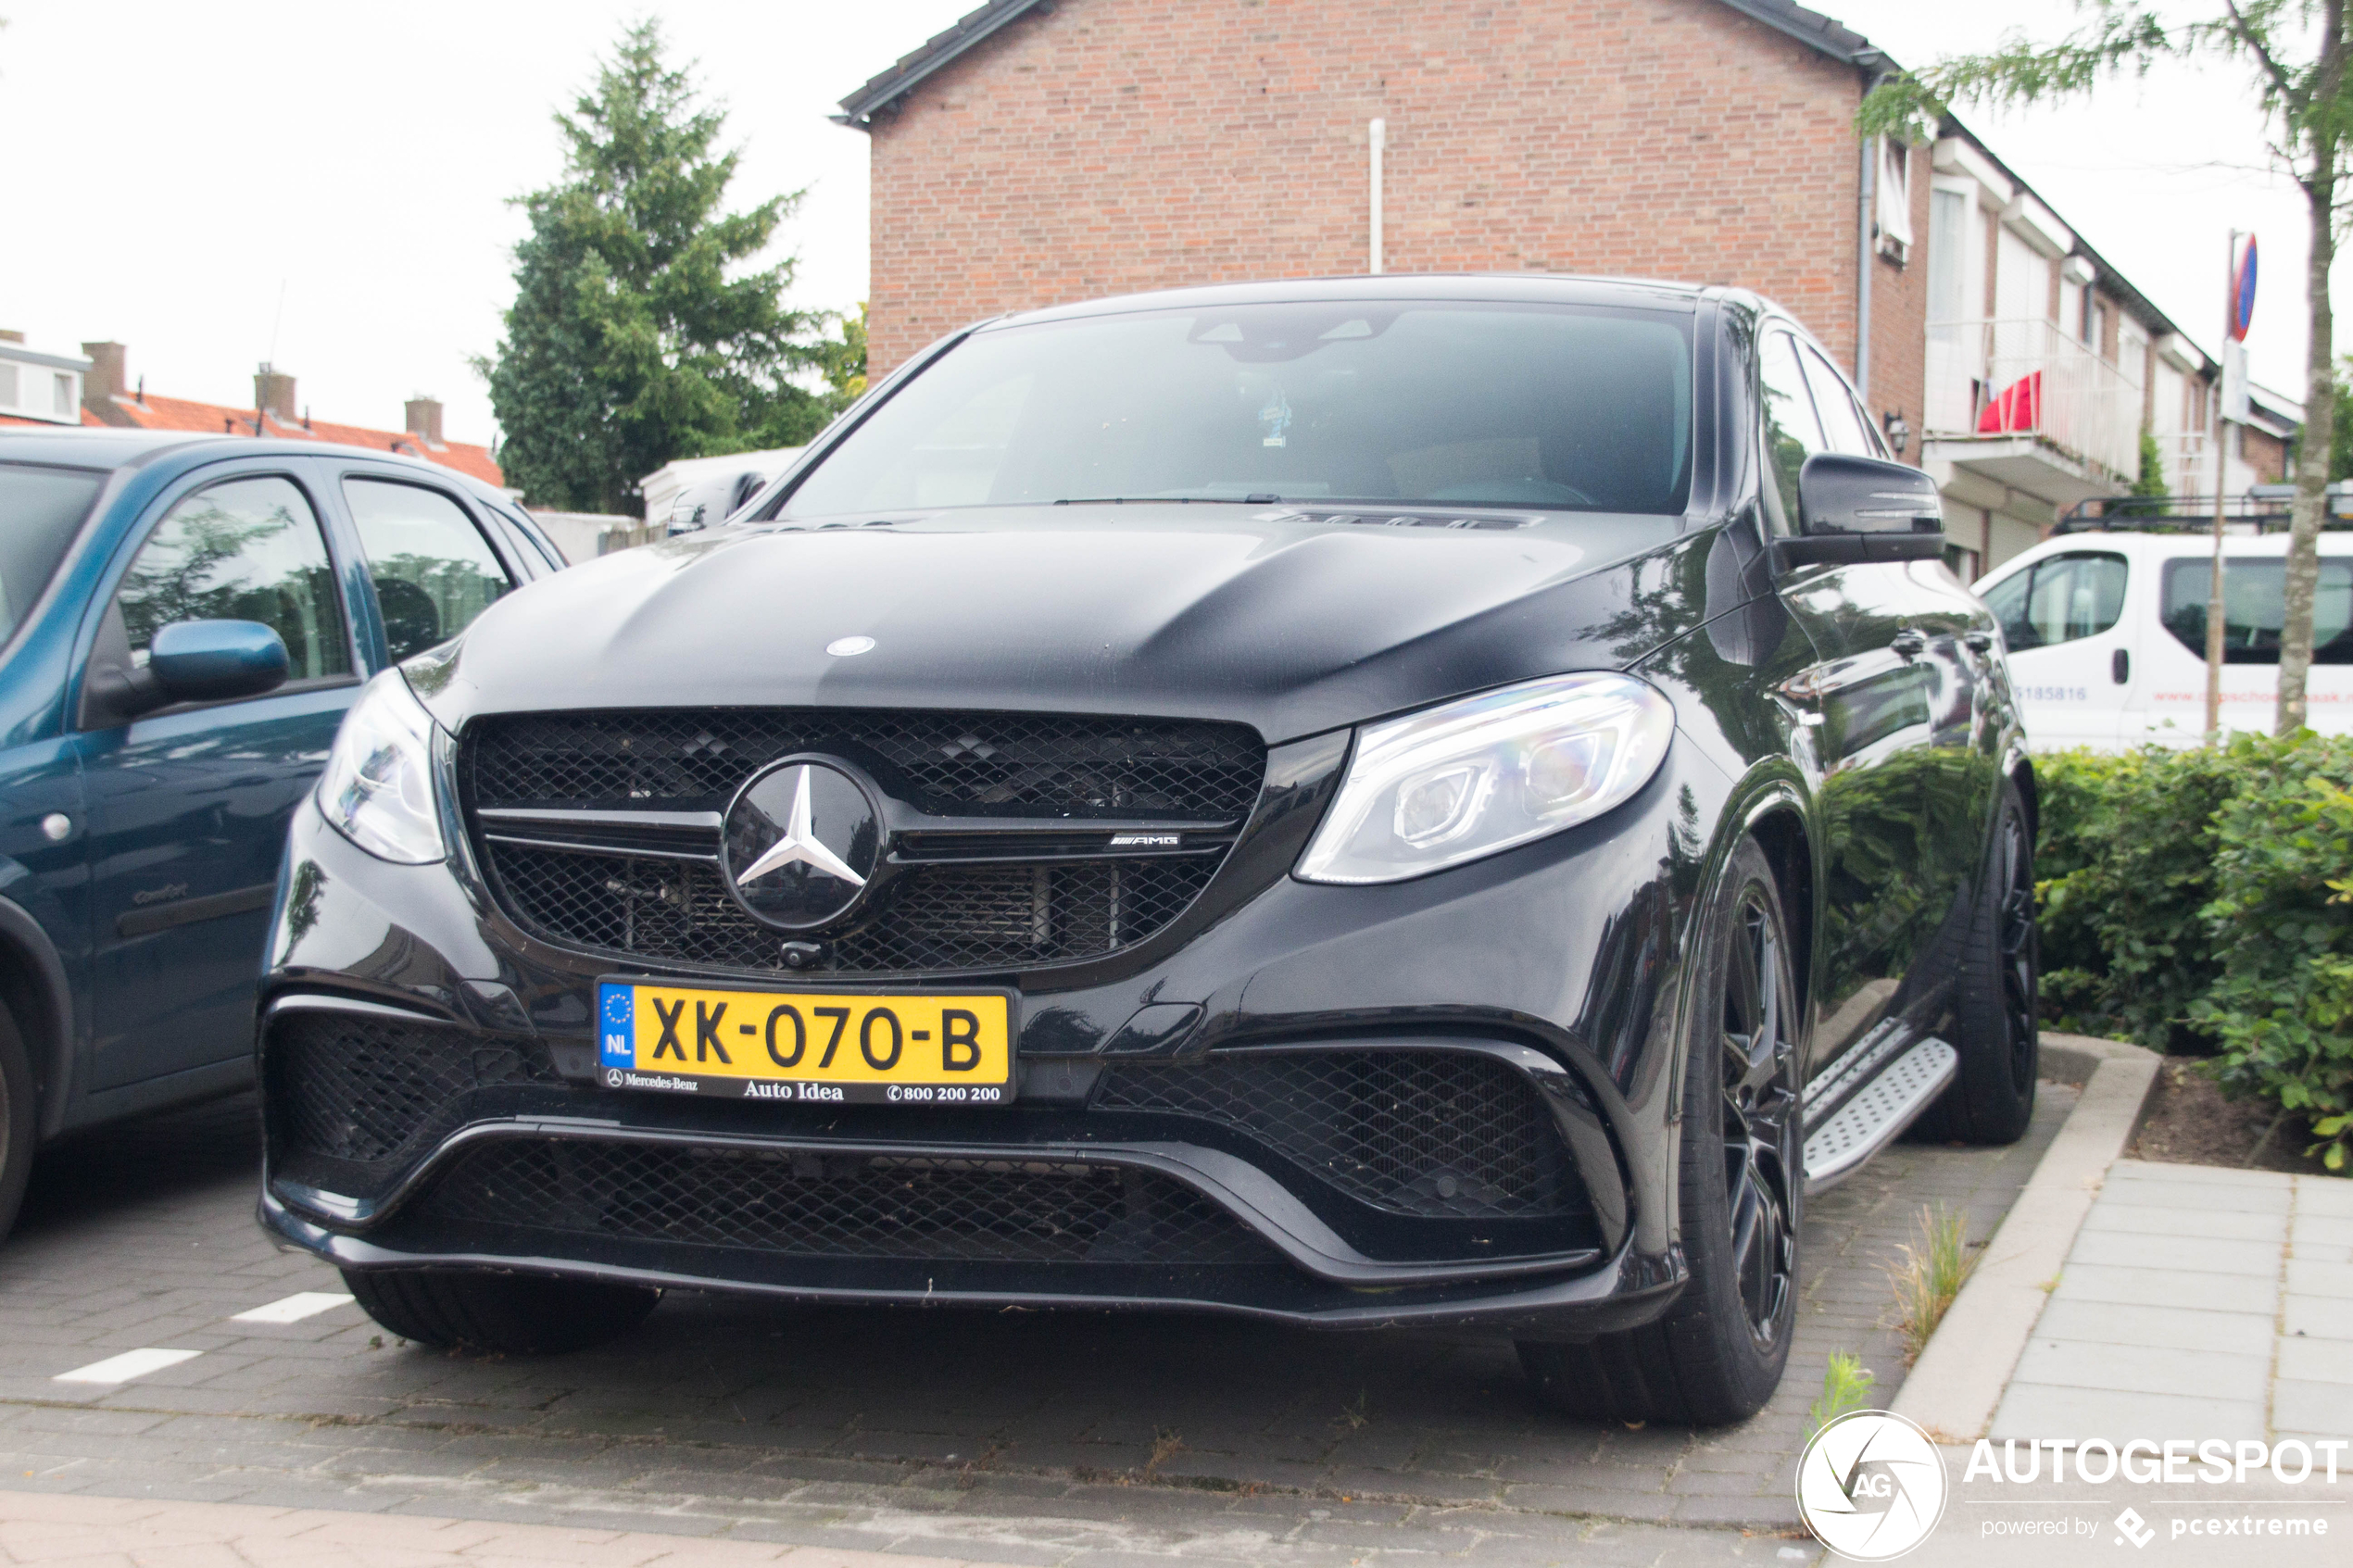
1546	971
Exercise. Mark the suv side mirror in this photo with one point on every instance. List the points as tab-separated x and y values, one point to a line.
198	661
1854	510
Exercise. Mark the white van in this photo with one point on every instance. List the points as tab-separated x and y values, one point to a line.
2107	633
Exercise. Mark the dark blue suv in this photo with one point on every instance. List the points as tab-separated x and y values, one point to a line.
182	622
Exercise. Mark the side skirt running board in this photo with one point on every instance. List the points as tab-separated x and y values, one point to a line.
1879	1111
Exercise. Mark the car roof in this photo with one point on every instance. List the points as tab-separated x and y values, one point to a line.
112	448
2169	544
1500	287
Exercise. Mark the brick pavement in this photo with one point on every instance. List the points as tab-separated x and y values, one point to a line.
1066	1439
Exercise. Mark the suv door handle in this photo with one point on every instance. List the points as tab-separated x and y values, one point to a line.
1910	643
1979	642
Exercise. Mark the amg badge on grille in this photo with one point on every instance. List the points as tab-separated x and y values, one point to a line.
803	837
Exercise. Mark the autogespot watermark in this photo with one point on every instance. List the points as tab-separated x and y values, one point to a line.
1871	1486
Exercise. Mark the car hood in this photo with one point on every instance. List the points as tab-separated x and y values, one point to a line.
1269	618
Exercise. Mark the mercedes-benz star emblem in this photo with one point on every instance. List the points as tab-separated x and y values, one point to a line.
803	841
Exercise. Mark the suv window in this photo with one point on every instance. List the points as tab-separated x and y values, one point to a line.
2059	600
1843	424
2254	608
1791	433
248	549
40	508
433	569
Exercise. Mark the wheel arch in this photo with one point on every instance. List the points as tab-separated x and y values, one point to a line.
39	999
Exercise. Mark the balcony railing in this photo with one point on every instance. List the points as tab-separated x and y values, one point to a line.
2025	377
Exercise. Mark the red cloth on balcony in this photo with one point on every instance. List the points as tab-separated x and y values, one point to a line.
2019	406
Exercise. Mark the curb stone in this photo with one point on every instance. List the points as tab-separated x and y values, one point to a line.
1957	1382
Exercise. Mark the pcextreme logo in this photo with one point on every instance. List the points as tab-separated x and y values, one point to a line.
1870	1485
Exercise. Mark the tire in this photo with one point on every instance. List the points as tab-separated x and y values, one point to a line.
18	1132
518	1314
1991	1097
1717	1354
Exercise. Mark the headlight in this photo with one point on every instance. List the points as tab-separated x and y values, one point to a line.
378	787
1435	788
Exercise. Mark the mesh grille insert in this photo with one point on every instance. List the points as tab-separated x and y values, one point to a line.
363	1090
1013	764
1433	1133
844	1206
932	918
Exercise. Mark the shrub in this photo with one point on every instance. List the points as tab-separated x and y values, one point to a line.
2207	895
2125	863
2282	920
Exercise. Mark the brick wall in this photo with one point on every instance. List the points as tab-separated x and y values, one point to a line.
1115	146
1899	317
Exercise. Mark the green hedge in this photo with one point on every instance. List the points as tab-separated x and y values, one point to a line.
2204	900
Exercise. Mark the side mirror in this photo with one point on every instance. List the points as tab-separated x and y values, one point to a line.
200	661
1854	510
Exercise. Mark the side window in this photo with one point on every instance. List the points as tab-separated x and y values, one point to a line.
2006	599
1843	424
2254	608
246	550
1791	433
2071	597
433	569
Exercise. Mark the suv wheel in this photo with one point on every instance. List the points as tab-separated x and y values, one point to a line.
1991	1097
1717	1354
522	1314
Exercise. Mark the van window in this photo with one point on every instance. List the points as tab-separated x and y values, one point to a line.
2254	608
2059	600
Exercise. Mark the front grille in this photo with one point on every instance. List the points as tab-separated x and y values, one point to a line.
1430	1133
947	764
363	1090
844	1206
935	917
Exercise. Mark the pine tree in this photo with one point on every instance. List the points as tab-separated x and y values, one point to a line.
637	335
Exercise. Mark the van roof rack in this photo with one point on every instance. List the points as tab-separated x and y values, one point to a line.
2262	509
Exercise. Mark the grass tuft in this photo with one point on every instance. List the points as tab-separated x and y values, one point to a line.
1929	1274
1846	1383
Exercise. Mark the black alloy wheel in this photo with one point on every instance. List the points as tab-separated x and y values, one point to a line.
1717	1354
17	1133
1761	1122
1996	998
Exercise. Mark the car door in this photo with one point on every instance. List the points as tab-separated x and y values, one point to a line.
1898	707
431	565
2075	658
189	805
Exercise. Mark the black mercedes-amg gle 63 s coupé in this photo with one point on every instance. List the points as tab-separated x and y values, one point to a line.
1384	801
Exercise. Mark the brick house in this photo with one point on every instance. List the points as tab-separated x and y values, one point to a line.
1040	152
94	388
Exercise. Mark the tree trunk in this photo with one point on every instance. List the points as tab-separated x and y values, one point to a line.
2319	390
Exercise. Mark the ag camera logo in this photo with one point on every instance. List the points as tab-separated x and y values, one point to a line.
1871	1486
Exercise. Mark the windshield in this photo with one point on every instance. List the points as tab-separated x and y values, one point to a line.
40	508
1578	409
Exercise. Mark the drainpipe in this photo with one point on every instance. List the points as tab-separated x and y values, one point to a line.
1867	188
1378	139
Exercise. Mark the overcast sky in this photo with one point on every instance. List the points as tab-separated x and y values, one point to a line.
326	184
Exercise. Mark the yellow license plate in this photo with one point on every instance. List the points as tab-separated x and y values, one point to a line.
814	1046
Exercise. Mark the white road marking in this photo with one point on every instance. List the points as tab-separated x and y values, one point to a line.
294	1308
128	1365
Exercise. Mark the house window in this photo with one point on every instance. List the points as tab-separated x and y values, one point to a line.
1949	236
1895	199
61	395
